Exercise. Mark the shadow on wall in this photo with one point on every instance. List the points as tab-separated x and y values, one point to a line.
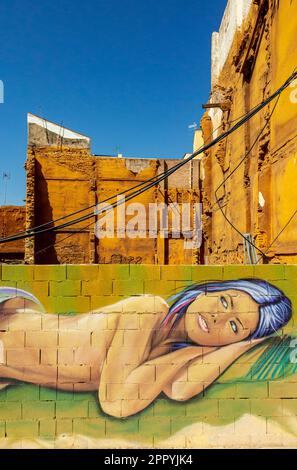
45	244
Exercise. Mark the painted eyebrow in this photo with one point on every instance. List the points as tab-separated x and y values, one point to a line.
239	321
229	297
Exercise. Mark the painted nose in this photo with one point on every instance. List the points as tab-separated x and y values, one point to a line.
218	318
214	317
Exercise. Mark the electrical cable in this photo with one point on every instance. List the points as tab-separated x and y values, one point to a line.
32	232
279	234
111	197
159	178
220	207
234	170
63	239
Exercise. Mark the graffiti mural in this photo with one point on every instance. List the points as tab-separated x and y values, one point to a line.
137	354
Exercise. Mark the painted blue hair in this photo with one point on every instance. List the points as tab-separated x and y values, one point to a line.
275	309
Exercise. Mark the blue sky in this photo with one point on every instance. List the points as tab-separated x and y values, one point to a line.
130	74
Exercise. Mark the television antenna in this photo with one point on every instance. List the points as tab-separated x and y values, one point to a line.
193	126
5	179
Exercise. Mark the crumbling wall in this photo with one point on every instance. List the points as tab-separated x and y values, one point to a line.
12	220
58	183
62	180
258	161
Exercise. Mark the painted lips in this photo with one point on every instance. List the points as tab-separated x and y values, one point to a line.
203	323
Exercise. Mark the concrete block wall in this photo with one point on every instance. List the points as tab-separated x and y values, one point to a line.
231	412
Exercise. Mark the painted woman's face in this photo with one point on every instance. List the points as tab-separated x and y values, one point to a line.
221	318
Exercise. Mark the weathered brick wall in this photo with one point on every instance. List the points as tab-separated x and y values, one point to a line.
230	413
260	196
12	220
63	180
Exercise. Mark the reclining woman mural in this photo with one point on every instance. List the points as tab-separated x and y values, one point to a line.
133	350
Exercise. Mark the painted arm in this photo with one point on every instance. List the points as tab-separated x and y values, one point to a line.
129	382
202	372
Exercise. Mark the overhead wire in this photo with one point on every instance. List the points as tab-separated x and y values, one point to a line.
45	224
233	171
163	176
279	234
105	200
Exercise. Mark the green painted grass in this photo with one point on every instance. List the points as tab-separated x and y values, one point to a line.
28	411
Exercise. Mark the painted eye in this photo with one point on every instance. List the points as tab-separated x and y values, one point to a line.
233	326
224	302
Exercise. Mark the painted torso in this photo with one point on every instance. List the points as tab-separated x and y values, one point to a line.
67	352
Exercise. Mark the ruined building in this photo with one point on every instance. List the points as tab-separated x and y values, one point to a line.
253	54
12	220
63	177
